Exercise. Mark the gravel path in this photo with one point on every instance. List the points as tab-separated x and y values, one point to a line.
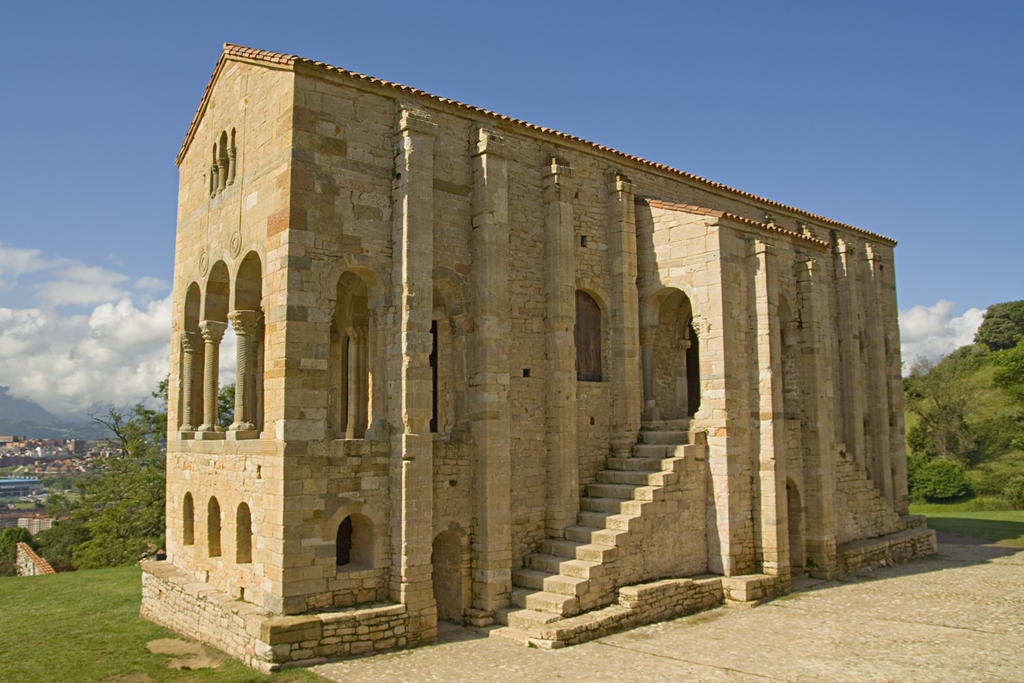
958	615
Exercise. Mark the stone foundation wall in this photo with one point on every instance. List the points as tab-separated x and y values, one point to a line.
886	550
261	640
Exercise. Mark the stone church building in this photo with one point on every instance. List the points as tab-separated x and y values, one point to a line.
494	374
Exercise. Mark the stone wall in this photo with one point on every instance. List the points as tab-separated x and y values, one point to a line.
27	563
257	637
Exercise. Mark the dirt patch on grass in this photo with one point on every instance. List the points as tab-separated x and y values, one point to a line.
187	656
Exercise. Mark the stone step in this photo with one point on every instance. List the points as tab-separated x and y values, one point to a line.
623	491
623	477
552	583
610	505
603	520
582	534
664	437
579	551
613	506
658	451
542	601
553	564
519	618
516	635
634	464
677	425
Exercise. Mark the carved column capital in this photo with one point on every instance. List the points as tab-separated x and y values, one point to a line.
212	330
190	341
245	322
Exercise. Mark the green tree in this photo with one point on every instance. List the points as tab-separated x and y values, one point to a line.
1002	327
941	395
122	507
58	543
9	540
226	405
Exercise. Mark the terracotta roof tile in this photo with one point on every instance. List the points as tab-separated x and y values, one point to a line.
242	52
704	211
41	564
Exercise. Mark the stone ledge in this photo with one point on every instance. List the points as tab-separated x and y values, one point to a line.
883	551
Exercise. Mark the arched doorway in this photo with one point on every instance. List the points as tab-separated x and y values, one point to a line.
447	575
671	357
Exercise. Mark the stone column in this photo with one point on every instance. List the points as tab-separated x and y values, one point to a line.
231	160
413	239
213	332
560	389
245	325
878	379
624	314
771	510
819	467
648	336
489	380
850	366
189	344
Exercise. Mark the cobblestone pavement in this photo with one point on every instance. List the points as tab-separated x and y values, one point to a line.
958	615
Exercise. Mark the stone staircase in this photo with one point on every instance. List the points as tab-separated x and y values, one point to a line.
580	572
862	513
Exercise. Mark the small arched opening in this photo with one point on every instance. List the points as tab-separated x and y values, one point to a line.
354	543
213	528
188	520
349	390
671	357
243	534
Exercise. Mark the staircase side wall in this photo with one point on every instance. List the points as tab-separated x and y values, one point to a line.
860	511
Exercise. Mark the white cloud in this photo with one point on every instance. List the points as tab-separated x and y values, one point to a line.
116	354
77	283
932	331
152	284
16	262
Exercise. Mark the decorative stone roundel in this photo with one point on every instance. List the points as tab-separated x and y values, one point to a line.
236	243
204	263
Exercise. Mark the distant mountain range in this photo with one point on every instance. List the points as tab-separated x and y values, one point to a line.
22	417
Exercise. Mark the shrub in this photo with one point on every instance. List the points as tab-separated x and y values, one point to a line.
940	479
1014	492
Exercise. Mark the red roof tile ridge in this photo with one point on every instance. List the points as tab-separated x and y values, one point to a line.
41	564
241	51
691	208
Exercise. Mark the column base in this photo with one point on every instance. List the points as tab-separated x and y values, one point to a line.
209	434
242	434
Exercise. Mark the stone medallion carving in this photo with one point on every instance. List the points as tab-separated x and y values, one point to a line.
236	243
204	263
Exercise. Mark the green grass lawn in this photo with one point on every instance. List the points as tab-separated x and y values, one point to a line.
1002	527
85	626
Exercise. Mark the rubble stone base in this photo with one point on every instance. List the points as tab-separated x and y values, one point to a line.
263	641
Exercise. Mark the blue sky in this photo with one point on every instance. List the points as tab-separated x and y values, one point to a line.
903	118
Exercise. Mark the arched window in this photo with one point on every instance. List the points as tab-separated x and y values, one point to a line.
213	528
588	338
243	534
188	520
349	357
354	543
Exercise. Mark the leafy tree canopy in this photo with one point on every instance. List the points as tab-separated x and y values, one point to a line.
9	540
1002	327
